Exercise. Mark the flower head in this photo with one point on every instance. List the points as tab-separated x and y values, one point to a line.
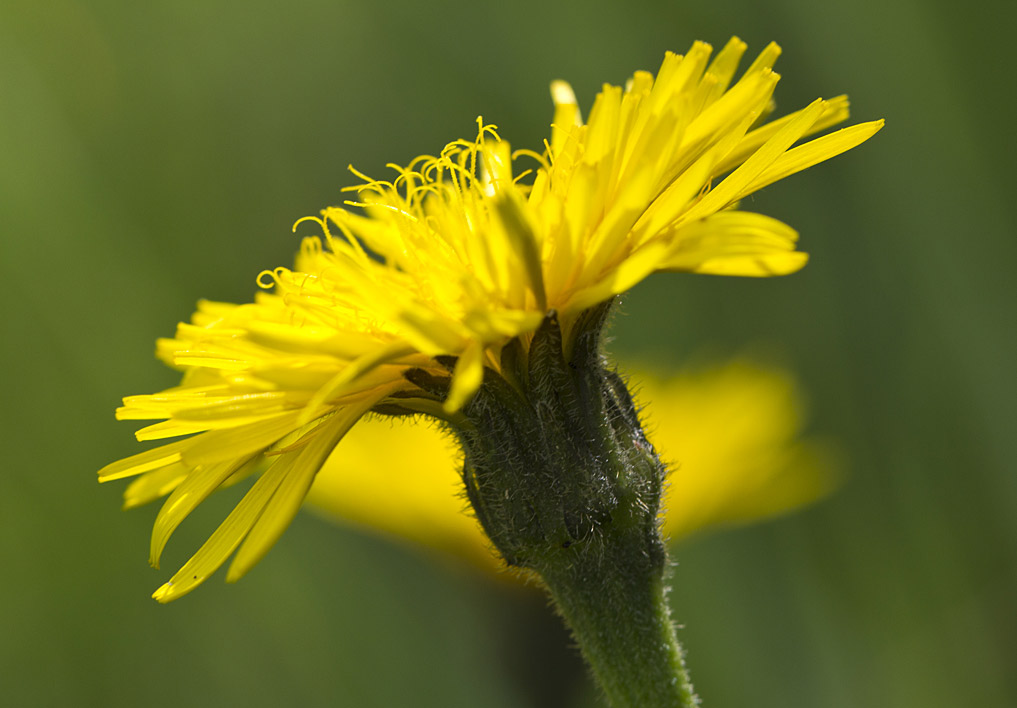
450	268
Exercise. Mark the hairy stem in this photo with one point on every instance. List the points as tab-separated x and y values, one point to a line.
613	600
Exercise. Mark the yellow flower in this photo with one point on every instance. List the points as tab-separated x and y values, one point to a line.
730	433
461	256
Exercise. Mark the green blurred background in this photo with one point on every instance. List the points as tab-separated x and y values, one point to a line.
153	153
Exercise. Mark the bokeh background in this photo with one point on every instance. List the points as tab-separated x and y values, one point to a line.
153	153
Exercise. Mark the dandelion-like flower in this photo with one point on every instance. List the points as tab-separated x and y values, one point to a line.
469	288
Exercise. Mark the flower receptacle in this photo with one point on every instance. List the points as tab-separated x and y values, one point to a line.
556	462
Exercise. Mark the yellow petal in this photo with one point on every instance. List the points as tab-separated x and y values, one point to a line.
200	482
814	152
214	552
155	484
221	445
725	63
733	185
155	458
466	377
566	114
348	376
736	243
835	111
627	274
297	475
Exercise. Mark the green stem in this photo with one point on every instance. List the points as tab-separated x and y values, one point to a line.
613	599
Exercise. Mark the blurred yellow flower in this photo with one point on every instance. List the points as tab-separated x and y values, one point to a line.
461	257
729	432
